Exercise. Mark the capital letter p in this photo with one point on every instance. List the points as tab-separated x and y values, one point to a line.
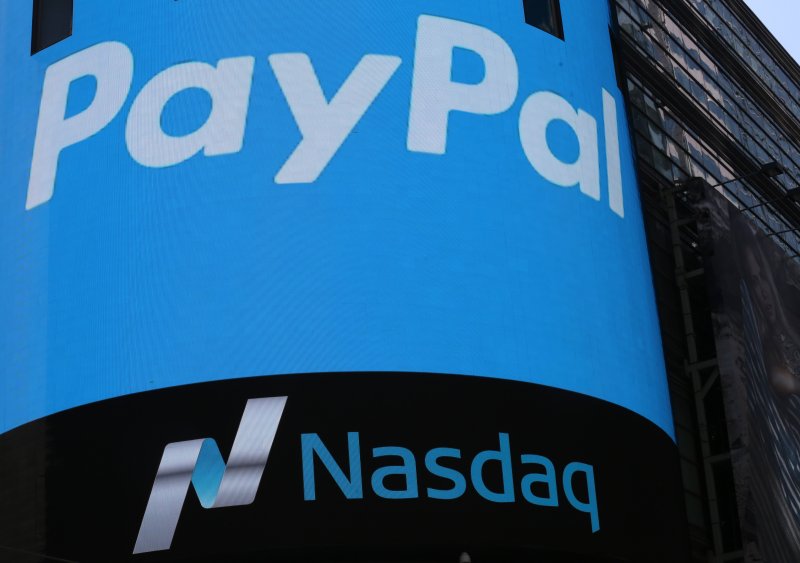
111	63
434	93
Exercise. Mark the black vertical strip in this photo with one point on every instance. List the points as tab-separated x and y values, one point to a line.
558	20
52	22
615	53
545	15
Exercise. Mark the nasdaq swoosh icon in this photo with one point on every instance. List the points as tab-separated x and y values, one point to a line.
216	483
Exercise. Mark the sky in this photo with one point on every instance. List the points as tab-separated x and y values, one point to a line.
781	17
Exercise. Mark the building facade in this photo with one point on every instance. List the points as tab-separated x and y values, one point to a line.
712	95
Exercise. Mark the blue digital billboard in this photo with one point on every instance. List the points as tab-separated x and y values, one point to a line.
382	211
404	186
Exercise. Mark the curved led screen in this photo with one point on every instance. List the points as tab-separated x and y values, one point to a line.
297	242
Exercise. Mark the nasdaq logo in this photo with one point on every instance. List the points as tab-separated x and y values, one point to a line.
217	484
199	463
539	486
324	123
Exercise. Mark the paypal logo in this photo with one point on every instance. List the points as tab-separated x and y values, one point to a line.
199	463
325	123
394	476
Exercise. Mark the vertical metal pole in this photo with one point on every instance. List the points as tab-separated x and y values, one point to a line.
693	372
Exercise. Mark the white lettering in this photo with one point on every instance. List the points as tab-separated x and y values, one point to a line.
434	95
613	159
222	133
325	126
111	64
538	112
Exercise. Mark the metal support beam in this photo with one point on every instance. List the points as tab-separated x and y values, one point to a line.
694	373
709	384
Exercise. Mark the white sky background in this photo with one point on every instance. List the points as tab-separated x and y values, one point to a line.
782	17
